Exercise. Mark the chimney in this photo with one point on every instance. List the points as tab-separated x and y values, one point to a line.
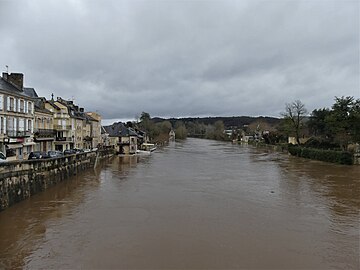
81	109
16	79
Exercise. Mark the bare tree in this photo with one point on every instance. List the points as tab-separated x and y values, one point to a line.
295	113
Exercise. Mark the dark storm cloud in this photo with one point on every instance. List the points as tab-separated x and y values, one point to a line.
184	58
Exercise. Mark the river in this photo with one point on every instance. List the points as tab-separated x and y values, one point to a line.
196	204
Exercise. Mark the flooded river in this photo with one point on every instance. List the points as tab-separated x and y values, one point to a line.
196	204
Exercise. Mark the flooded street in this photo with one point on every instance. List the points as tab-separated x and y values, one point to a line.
196	204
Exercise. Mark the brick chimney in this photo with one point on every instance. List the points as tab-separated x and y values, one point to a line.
16	79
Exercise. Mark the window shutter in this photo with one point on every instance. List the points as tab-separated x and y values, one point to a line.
4	125
8	103
1	102
21	124
15	124
26	106
18	105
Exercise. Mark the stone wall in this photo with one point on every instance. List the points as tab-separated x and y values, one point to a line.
21	179
357	159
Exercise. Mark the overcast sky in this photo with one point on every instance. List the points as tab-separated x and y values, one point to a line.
184	58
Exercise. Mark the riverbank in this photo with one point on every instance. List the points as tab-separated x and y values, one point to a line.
330	156
20	180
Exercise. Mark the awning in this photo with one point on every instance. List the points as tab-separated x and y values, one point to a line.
14	146
29	143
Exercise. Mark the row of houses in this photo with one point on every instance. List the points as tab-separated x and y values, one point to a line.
31	123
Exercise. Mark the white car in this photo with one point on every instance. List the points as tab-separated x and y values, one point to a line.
2	157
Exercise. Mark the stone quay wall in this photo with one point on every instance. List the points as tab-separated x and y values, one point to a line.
21	179
357	159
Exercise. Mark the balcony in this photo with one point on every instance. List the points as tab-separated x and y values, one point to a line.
44	133
88	138
61	115
18	133
64	139
124	143
62	127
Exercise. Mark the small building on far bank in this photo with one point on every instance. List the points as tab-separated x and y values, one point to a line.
172	135
125	139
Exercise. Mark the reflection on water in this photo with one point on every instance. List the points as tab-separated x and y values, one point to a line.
196	204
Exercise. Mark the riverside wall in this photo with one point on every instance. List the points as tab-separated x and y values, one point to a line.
20	180
357	159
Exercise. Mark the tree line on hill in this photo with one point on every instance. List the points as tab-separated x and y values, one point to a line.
207	127
329	128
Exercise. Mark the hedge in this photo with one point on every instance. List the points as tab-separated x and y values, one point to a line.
341	157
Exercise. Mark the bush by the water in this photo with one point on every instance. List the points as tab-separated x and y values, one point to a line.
321	144
341	157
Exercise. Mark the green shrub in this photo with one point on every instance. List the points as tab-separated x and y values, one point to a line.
341	157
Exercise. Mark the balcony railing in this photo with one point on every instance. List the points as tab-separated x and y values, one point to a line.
63	139
61	115
88	138
124	143
62	127
18	133
44	133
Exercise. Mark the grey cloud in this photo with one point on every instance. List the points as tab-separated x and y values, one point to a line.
184	58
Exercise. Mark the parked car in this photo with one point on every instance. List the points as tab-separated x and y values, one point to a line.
38	155
69	152
55	154
78	151
2	157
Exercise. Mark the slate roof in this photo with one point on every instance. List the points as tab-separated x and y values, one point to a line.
73	109
11	89
40	105
119	130
30	92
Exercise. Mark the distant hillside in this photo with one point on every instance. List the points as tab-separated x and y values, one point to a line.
233	121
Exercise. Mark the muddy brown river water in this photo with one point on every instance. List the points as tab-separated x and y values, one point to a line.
196	204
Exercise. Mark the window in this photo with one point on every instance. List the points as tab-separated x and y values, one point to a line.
30	107
1	102
21	124
22	106
10	123
29	127
11	104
